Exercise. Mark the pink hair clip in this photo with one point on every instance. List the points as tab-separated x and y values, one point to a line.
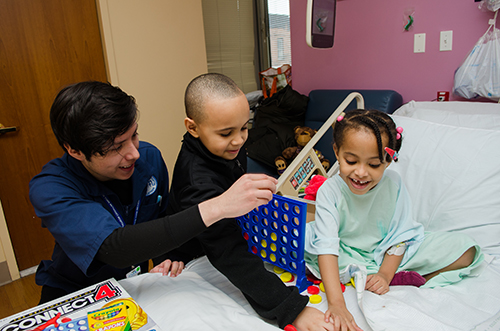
399	130
340	117
394	155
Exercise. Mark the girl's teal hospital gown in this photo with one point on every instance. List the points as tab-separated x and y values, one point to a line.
359	229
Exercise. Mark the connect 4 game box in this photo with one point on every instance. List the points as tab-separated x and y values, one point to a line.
105	306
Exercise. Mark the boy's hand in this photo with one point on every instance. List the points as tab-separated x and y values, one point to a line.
175	268
341	318
311	319
377	283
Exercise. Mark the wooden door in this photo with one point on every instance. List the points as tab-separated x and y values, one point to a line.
44	46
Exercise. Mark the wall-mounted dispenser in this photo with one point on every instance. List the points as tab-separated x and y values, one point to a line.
320	24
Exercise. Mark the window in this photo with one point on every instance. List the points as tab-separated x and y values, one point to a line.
244	37
281	49
279	32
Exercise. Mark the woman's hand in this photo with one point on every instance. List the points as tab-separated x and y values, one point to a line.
311	319
377	283
174	268
247	193
341	318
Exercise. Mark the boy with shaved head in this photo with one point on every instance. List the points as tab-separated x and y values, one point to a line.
211	159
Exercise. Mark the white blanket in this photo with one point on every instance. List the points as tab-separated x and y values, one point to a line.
190	302
203	299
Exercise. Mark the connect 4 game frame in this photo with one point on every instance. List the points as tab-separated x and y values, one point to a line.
276	233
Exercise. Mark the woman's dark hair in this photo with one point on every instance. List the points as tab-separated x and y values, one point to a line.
374	120
88	116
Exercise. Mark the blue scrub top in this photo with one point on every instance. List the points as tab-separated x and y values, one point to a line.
78	211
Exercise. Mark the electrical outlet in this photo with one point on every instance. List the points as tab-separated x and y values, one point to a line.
419	43
446	41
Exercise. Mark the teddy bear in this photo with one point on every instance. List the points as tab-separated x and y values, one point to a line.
280	163
303	135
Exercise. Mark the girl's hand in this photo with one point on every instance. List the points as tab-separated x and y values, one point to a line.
377	283
341	318
175	268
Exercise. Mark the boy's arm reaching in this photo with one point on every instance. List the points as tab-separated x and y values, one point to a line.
337	311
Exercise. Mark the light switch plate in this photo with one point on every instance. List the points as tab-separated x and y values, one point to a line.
419	43
446	41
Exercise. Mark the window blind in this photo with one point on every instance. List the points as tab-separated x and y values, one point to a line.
229	39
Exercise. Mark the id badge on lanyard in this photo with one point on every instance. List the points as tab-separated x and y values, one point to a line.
135	270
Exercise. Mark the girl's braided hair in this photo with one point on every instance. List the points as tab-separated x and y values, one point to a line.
374	120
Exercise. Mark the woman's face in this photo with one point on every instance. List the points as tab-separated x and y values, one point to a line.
119	160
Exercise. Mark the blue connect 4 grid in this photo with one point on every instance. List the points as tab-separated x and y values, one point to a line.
276	233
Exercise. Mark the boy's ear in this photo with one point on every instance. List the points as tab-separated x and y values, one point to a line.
191	127
74	153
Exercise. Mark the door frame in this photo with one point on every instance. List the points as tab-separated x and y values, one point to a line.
30	241
6	245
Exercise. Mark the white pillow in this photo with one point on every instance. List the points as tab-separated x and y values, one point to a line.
453	177
459	107
458	113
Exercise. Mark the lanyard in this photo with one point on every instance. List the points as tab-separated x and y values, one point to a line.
118	217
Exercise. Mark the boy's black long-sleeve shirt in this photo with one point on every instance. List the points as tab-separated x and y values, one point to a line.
198	176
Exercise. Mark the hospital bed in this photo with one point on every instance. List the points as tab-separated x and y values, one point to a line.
450	163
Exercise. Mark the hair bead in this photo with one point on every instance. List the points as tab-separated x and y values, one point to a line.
399	130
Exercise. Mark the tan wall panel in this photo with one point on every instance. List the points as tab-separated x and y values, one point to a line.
153	49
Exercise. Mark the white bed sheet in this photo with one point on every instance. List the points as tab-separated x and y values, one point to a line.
202	298
190	302
450	162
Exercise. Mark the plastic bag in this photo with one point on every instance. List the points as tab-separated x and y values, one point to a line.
491	5
479	74
274	79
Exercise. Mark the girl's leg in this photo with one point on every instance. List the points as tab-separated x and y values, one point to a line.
462	262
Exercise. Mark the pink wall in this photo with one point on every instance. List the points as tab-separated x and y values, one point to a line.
372	51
